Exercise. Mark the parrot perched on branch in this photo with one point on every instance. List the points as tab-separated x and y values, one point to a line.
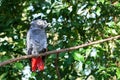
37	43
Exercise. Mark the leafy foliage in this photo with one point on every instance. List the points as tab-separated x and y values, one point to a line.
73	22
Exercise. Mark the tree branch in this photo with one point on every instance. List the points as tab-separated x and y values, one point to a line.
57	51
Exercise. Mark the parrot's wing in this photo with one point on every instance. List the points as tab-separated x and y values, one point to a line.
29	45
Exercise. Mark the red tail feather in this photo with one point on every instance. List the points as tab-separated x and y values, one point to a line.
40	64
37	63
34	64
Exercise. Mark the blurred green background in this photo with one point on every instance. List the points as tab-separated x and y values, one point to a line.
72	22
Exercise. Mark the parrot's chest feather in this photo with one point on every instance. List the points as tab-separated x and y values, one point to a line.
38	40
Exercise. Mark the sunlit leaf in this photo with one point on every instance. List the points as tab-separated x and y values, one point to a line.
77	56
118	73
2	76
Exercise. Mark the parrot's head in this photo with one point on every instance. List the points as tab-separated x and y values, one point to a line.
42	24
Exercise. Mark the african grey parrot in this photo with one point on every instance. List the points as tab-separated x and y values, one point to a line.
37	43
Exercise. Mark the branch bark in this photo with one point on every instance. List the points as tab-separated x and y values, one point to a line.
58	51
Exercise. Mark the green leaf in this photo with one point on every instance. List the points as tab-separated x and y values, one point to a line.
18	65
102	1
4	58
2	76
77	56
118	73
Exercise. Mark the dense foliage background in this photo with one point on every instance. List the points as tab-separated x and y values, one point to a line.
73	22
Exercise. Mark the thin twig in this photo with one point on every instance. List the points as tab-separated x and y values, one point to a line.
57	51
56	66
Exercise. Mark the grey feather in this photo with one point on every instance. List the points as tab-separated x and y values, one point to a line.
36	37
